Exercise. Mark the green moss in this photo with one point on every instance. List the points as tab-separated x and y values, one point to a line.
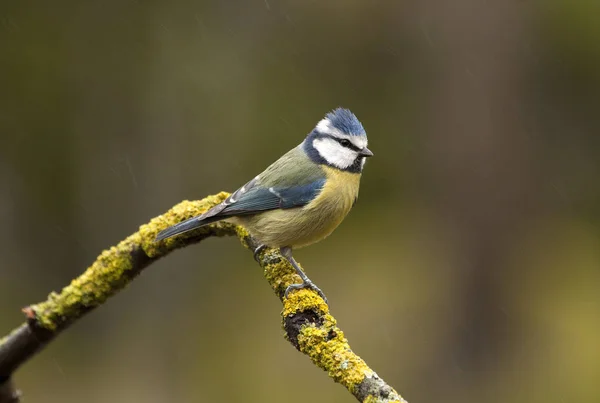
182	211
102	279
305	300
328	349
325	343
279	273
243	235
112	270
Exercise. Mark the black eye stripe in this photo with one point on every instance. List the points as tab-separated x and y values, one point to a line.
348	145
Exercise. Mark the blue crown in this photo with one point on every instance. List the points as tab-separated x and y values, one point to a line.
345	121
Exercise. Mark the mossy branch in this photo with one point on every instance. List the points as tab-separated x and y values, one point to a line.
307	322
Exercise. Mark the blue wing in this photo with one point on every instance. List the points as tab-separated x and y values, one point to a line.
251	198
259	198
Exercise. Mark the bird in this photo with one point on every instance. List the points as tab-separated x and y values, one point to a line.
302	197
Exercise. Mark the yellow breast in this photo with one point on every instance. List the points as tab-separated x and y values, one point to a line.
303	226
338	194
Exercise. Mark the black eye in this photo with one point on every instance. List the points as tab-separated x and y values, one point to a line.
345	143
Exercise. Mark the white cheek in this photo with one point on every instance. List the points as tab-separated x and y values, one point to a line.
334	153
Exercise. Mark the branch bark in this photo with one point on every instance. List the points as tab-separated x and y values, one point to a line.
308	325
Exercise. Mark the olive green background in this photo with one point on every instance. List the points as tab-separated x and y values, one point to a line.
469	270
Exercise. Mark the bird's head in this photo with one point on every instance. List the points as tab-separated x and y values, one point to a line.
339	140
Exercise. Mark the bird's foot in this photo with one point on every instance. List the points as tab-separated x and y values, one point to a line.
306	284
259	249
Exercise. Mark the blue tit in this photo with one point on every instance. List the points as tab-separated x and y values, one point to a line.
302	197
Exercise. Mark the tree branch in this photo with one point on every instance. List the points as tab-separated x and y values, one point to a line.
306	319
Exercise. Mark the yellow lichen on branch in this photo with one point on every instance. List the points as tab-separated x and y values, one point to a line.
306	319
313	331
180	212
117	266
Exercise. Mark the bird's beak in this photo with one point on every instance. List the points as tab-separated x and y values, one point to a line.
365	152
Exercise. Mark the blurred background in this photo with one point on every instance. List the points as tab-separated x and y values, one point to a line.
469	270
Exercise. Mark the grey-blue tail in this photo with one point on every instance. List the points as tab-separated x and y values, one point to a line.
185	226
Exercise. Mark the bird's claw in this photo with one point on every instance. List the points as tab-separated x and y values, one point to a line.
306	284
259	249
